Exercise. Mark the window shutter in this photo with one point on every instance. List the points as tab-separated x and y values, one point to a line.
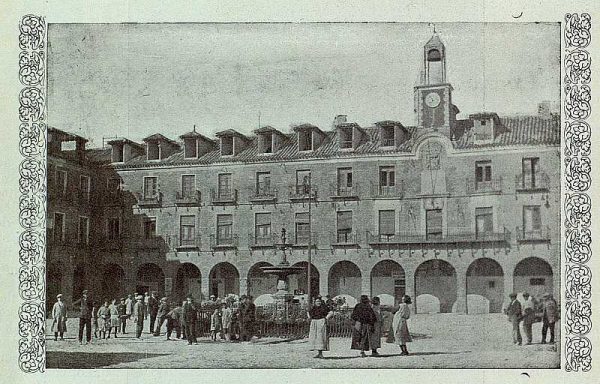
188	221
344	220
263	219
387	222
224	220
302	217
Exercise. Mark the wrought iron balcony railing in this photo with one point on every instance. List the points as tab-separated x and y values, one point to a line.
533	235
190	199
538	181
263	193
217	242
182	244
454	235
344	192
492	186
344	238
302	239
301	192
147	200
223	196
262	241
387	191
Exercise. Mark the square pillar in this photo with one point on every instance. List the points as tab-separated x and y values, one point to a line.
461	292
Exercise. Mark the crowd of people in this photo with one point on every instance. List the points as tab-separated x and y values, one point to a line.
529	312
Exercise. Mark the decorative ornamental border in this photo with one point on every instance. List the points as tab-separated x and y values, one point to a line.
32	186
577	209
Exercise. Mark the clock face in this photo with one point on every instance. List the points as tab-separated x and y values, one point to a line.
432	99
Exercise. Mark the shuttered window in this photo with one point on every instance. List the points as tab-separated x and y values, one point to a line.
387	222
344	226
302	228
188	184
187	231
150	187
263	225
434	224
224	229
530	171
532	219
484	223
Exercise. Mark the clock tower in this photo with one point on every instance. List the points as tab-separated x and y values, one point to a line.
433	96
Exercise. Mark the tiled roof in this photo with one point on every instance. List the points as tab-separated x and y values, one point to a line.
159	137
521	130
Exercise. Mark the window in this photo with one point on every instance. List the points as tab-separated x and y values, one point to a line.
266	143
225	186
483	122
484	224
84	230
433	219
190	148
187	230
345	138
302	228
84	186
150	187
344	178
226	145
303	182
344	226
263	183
387	137
59	227
532	219
188	185
491	284
530	172
153	151
262	226
387	180
224	229
61	181
114	228
305	140
387	224
149	227
434	55
483	173
117	153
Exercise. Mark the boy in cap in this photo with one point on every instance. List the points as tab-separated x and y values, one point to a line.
513	311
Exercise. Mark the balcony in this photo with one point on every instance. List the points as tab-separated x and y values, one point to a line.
533	235
493	186
339	239
300	192
344	193
149	201
219	242
267	241
454	235
301	239
182	245
538	182
387	192
223	197
263	194
188	199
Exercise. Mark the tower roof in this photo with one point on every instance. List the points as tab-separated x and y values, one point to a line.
435	41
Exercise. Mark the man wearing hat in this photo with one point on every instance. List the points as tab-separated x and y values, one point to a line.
59	318
528	317
513	311
549	317
153	310
138	315
163	311
85	316
188	315
122	308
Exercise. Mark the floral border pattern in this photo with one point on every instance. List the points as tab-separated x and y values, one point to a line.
577	208
32	187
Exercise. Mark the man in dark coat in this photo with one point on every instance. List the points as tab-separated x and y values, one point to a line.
513	311
138	315
153	310
188	315
247	318
85	317
364	317
549	317
163	311
122	309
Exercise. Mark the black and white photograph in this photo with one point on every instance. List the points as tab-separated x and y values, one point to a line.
303	195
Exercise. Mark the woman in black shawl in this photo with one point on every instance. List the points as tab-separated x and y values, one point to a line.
364	318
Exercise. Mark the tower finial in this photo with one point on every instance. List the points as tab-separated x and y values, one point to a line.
433	25
194	128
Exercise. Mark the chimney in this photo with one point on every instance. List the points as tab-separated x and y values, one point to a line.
544	110
339	119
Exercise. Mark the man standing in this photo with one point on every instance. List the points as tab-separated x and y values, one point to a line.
163	311
122	309
528	317
138	316
549	317
146	298
85	316
59	318
248	315
129	305
514	316
153	310
188	314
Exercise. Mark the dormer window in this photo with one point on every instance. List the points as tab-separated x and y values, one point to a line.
346	138
269	140
387	137
117	153
266	143
305	140
153	151
226	145
190	148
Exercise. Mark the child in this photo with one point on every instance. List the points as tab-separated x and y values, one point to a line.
114	321
104	320
215	324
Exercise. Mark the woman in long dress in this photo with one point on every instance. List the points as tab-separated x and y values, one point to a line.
364	318
376	330
318	337
59	318
401	333
114	318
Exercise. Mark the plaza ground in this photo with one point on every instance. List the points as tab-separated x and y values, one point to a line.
440	341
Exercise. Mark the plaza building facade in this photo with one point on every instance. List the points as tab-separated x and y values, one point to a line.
457	213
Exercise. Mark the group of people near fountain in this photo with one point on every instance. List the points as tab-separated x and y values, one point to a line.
367	329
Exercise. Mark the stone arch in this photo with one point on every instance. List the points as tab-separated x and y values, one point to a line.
533	275
299	281
150	277
388	277
438	279
485	278
260	283
345	278
224	279
188	282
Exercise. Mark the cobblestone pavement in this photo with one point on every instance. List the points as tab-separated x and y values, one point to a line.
440	341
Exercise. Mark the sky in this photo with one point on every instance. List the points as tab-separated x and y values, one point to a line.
133	80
